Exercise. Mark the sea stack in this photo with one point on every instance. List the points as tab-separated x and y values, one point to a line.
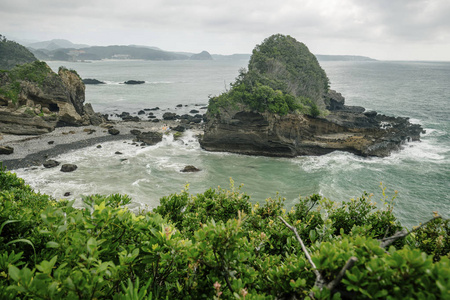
283	106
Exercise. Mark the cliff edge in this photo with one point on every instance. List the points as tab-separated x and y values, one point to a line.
282	106
34	100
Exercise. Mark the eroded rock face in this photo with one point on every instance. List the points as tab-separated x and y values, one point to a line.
239	130
41	105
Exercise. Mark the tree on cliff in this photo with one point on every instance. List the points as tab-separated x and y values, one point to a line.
12	54
283	75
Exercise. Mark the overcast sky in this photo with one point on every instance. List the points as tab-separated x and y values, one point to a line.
381	29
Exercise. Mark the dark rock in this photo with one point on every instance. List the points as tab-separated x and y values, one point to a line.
190	168
68	168
51	142
92	81
67	194
197	120
113	131
150	138
156	120
370	114
169	116
51	163
135	132
179	128
118	153
134	82
131	119
155	108
141	112
194	111
204	107
124	114
99	146
151	117
179	105
6	150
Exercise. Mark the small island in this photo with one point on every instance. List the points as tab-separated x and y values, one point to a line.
283	106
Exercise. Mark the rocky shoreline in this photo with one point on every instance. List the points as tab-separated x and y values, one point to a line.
35	150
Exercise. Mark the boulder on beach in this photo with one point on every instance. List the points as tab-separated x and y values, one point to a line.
190	169
150	138
113	131
68	168
6	150
51	163
135	132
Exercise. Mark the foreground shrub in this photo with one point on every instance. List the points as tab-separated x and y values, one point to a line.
210	246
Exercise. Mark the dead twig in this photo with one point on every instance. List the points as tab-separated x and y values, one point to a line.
320	281
403	233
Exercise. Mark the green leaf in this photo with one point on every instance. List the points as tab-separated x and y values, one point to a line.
7	222
14	272
52	244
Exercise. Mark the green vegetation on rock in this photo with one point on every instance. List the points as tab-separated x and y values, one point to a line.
210	246
13	54
37	72
283	76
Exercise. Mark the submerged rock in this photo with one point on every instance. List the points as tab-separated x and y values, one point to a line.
92	81
134	82
51	163
68	168
190	169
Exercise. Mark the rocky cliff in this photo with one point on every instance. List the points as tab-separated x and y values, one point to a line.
283	107
244	131
34	100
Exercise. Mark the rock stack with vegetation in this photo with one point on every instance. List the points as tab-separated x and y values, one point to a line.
34	99
215	245
282	106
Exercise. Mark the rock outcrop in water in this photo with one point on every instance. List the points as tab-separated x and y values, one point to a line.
34	100
277	114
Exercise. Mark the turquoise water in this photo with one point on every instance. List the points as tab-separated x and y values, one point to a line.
420	172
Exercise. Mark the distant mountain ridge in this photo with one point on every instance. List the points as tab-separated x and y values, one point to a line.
61	49
55	44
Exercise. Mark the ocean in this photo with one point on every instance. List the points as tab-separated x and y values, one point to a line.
420	172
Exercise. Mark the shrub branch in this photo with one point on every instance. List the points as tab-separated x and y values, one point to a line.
320	281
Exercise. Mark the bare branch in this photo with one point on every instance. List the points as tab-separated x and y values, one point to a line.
403	233
348	265
320	281
299	239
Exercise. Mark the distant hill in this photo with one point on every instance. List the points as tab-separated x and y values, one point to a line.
61	49
107	52
56	44
204	55
231	57
12	54
343	58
